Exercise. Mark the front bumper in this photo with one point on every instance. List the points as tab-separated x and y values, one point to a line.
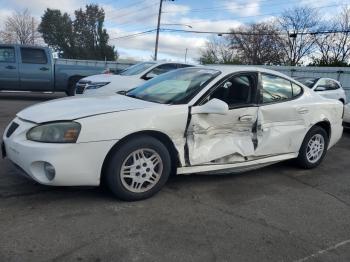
78	164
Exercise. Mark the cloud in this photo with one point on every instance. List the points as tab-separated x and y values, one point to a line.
244	8
170	45
37	7
209	25
145	13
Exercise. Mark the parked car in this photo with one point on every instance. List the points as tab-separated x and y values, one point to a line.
191	120
32	68
326	87
129	78
346	120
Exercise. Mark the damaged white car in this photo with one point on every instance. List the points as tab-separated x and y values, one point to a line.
192	120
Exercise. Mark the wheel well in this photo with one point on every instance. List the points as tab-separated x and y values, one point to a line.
74	79
174	154
342	100
326	126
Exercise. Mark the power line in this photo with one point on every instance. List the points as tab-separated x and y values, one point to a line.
133	35
261	15
128	6
225	7
134	11
252	33
169	30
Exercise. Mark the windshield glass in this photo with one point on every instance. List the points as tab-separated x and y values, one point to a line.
175	87
308	81
136	69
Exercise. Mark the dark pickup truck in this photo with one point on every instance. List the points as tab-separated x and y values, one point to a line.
32	68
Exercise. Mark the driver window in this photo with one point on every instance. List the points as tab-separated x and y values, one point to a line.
7	54
235	90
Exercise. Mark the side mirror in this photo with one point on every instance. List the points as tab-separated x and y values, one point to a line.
320	88
149	76
213	106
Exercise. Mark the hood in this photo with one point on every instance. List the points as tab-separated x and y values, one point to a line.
102	78
77	107
117	83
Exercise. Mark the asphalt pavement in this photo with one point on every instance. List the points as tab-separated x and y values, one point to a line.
278	213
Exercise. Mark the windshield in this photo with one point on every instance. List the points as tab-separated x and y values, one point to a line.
308	81
136	69
175	87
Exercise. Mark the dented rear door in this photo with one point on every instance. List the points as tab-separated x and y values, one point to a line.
282	114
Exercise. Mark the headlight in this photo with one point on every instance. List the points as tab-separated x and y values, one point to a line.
96	85
59	132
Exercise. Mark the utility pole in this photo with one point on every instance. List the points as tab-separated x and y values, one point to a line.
186	55
158	27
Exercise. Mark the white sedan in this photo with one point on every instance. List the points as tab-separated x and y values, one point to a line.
129	78
346	119
326	87
192	120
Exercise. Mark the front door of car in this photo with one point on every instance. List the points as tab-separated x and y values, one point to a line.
9	79
282	115
214	138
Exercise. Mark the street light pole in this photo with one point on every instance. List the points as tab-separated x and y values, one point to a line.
158	26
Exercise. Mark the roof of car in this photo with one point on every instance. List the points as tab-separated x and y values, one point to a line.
227	69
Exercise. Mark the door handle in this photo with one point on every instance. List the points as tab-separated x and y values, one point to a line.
10	67
246	118
303	110
43	68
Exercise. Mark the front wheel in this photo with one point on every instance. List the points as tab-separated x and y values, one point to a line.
138	168
313	148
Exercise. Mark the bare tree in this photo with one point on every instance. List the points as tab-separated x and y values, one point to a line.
20	28
296	24
335	48
217	50
257	44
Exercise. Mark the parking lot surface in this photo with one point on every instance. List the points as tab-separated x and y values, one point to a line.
278	213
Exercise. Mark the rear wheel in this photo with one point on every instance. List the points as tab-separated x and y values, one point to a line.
314	148
72	86
138	169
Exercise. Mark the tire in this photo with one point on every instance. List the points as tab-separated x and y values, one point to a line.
137	181
310	153
71	86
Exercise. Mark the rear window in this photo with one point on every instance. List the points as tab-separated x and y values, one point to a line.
308	81
7	54
33	56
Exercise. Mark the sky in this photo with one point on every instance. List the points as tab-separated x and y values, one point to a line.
126	17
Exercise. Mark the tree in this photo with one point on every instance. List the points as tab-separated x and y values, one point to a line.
20	28
296	23
257	44
57	31
217	50
83	38
334	48
91	37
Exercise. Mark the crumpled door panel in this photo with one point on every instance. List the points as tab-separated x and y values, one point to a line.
220	139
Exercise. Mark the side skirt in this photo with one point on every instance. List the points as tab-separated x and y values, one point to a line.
235	167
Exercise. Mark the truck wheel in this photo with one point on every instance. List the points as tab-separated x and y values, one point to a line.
138	169
71	86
